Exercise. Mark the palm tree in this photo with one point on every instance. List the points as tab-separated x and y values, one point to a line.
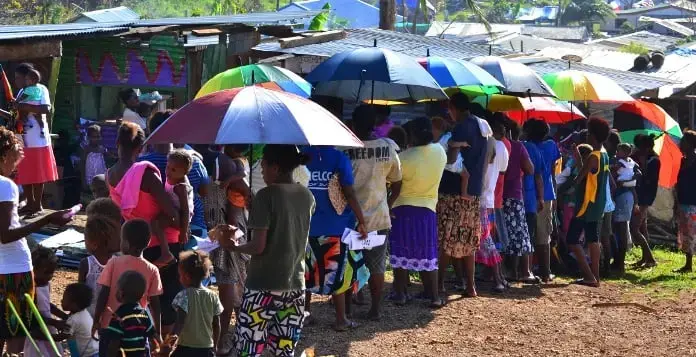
387	13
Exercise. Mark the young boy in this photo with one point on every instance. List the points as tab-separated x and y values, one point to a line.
590	202
135	235
76	300
131	325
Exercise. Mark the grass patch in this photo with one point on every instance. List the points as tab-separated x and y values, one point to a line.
660	281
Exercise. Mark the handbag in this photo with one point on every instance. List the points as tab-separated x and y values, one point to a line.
336	195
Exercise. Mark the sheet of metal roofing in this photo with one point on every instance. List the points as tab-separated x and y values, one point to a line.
412	45
115	14
258	18
35	34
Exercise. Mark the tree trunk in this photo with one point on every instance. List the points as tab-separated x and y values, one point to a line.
387	14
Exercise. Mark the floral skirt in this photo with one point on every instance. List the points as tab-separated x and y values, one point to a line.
519	243
413	239
458	225
687	229
487	254
332	269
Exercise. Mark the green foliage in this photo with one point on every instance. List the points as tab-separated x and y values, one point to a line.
585	11
635	48
686	40
627	27
319	22
498	11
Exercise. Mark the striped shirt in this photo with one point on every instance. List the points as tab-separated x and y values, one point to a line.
132	325
198	176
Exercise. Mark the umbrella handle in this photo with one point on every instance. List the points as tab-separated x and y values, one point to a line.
362	80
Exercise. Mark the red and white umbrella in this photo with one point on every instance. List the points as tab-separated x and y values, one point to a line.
254	115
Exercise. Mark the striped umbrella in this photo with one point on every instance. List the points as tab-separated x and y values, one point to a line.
520	109
450	72
641	117
572	85
262	75
254	115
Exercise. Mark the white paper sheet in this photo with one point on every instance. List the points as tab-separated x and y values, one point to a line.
353	240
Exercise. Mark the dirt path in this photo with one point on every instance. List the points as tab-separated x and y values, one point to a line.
555	320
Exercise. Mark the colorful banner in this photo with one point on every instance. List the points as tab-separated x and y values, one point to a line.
136	74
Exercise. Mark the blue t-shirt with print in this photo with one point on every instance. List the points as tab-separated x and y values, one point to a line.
324	163
474	156
530	201
550	153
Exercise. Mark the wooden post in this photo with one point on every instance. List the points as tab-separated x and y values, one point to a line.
387	14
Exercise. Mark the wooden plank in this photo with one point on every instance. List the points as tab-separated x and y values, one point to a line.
26	51
206	32
312	38
276	58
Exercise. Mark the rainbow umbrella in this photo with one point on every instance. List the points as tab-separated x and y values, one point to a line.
521	109
262	75
254	115
641	117
574	85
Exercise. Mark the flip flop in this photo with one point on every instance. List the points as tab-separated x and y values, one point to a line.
585	283
439	304
530	280
351	325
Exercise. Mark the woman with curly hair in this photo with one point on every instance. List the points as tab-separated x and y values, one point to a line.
16	277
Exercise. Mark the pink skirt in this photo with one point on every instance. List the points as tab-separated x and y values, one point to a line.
38	166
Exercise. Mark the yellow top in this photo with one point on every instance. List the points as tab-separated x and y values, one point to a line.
421	168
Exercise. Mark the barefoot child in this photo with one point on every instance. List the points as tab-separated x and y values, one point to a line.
130	326
179	163
135	235
197	328
102	241
76	300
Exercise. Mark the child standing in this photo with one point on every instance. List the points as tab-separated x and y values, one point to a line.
45	264
31	94
93	155
197	328
135	235
77	298
102	242
179	163
131	325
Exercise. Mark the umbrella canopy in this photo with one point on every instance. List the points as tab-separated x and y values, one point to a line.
263	75
450	72
545	109
375	74
518	79
254	115
640	117
574	85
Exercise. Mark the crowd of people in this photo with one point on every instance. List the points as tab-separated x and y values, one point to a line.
462	188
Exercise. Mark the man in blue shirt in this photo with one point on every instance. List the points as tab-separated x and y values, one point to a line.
467	130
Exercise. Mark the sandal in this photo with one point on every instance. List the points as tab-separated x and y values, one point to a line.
586	283
351	325
438	304
531	280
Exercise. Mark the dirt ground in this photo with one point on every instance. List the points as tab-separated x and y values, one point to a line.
551	320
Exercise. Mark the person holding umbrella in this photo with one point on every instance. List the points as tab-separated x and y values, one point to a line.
374	165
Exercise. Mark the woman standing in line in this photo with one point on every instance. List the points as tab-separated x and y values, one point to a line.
686	199
649	163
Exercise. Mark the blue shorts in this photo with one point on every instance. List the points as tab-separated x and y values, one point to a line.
624	207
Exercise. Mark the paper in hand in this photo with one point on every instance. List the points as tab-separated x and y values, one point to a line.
355	242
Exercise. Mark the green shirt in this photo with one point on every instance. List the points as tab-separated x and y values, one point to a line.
285	210
201	306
